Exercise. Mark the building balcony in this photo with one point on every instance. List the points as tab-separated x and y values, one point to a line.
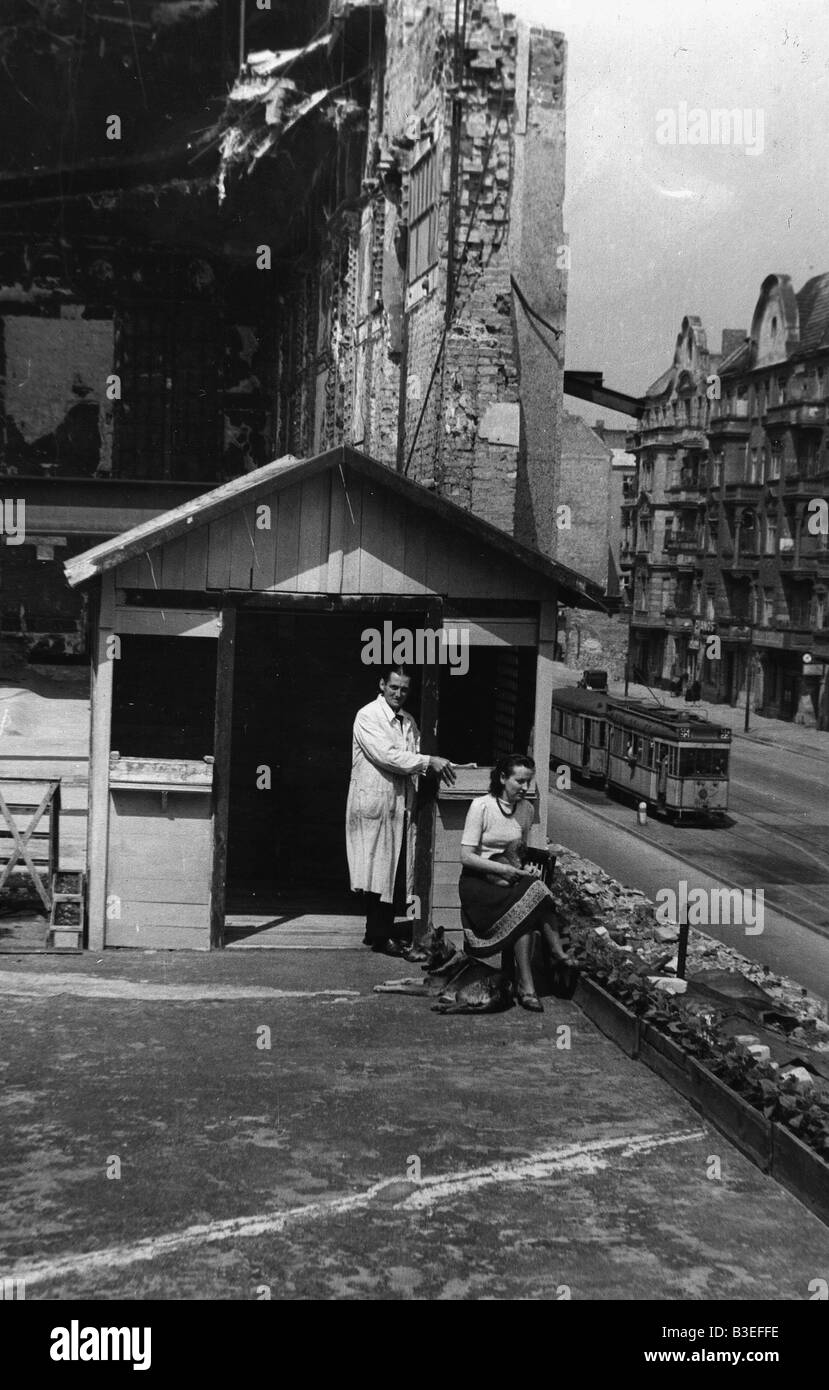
690	437
743	491
783	637
797	415
730	427
683	540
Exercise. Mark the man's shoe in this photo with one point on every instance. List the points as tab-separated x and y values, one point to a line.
388	948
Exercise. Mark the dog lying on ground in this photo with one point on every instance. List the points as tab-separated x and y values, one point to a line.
461	985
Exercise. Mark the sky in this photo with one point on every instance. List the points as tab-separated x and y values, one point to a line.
661	229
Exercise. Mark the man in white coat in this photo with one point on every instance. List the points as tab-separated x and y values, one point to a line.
379	829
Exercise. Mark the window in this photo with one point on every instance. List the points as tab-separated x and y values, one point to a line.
771	535
710	606
775	460
768	607
423	215
703	762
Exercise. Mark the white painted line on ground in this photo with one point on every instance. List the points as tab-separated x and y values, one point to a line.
587	1158
31	984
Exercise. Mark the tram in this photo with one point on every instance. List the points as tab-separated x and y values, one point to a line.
674	760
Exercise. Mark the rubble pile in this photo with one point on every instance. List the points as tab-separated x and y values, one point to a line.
590	899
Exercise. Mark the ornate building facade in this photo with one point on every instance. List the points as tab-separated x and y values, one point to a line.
730	547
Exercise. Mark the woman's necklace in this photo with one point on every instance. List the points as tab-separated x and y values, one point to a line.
511	812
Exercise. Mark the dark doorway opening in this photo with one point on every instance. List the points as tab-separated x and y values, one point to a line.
299	681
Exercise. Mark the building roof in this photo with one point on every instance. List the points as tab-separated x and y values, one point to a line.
573	589
813	309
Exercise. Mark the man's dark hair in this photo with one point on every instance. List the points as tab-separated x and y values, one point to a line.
395	671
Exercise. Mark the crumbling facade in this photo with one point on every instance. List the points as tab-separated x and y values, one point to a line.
731	572
350	231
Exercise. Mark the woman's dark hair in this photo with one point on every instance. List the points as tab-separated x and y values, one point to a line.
505	768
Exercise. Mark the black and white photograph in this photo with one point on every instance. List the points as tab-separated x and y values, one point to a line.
414	665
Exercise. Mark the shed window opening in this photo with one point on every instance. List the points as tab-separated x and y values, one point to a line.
163	699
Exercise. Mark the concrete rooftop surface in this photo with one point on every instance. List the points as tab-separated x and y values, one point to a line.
249	1171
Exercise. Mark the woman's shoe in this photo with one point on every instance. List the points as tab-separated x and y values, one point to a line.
529	1000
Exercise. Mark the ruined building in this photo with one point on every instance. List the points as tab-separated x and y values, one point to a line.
233	232
730	534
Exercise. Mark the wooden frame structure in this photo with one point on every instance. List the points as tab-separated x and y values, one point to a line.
335	534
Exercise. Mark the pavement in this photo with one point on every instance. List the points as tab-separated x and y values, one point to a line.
160	1142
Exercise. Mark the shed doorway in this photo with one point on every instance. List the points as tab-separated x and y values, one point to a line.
298	683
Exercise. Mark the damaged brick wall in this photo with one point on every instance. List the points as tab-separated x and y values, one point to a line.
475	435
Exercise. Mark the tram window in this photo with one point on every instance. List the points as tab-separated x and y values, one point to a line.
703	762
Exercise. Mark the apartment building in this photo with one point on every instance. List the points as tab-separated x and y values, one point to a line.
730	546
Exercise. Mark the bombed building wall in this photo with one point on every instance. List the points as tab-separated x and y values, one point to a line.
116	364
120	363
422	354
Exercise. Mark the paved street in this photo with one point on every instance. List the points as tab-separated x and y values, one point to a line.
545	1172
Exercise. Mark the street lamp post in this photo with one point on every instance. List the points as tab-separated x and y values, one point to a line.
749	673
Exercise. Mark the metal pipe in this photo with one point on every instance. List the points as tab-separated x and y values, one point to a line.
241	34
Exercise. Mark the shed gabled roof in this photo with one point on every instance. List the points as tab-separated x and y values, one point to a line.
573	588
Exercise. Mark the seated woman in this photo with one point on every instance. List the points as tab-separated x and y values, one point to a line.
502	907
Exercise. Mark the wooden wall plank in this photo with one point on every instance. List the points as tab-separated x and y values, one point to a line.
126	575
264	541
222	739
393	576
339	526
287	539
195	564
218	554
241	549
371	541
415	551
438	549
167	622
97	828
352	545
312	564
173	557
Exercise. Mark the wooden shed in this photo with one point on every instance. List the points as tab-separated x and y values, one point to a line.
230	655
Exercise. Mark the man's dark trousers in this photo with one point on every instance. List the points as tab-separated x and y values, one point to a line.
380	923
